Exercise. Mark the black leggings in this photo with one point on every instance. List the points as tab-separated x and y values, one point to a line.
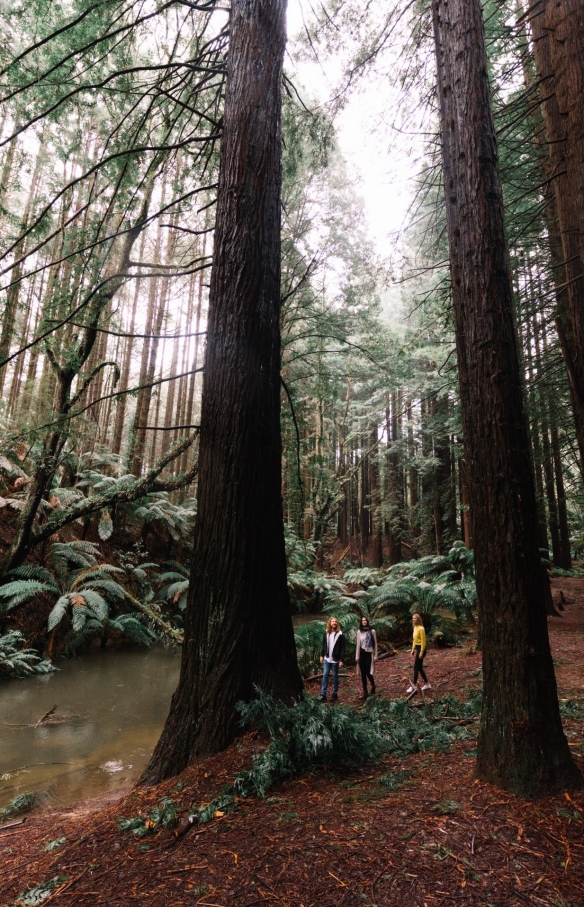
419	666
365	668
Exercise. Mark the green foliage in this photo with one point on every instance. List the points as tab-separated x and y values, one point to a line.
55	844
22	803
445	807
303	736
174	586
394	780
161	816
16	661
310	734
570	708
428	585
86	592
308	640
32	897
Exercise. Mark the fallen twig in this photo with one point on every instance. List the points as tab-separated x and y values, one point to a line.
12	824
46	716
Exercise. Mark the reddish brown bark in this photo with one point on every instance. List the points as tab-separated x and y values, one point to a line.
521	744
238	627
557	28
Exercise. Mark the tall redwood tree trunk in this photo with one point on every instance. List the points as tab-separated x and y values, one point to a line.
238	626
521	745
557	28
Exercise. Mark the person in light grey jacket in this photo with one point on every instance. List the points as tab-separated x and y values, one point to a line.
366	655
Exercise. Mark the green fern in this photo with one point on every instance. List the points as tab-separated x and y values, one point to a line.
16	660
84	591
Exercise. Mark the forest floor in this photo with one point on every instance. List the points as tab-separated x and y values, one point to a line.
330	838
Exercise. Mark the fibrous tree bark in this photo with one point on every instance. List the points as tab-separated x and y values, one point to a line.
557	28
521	745
238	627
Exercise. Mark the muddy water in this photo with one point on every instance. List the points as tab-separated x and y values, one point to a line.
111	707
114	705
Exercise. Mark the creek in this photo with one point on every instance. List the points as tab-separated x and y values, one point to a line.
111	707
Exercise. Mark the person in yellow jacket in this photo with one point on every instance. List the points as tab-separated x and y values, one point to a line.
418	652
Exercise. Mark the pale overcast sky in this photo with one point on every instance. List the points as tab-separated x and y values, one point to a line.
380	164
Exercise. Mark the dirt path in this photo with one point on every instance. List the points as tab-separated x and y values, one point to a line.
347	839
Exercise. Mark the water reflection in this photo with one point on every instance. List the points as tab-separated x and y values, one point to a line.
114	705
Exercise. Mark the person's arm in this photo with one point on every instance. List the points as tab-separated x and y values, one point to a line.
423	642
323	648
357	650
374	645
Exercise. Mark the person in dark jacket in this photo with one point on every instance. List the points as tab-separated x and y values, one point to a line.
366	655
332	656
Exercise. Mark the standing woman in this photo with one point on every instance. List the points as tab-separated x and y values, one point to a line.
418	652
332	656
366	655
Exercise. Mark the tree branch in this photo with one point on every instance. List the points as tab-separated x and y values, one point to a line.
126	494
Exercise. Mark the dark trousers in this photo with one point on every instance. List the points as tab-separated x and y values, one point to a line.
365	668
419	666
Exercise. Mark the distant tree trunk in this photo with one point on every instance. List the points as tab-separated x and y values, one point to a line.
557	28
14	287
116	445
467	531
395	499
190	407
376	519
521	744
238	626
136	438
145	394
442	473
414	525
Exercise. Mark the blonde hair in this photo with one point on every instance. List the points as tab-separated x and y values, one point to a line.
418	616
329	622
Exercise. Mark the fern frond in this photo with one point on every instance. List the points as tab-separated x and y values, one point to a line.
22	590
58	612
95	601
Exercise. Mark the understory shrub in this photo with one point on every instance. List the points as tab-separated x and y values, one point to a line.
161	816
17	661
309	734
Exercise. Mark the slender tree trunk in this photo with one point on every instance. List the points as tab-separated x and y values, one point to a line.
238	626
190	409
127	364
376	519
566	556
393	483
145	394
414	524
521	744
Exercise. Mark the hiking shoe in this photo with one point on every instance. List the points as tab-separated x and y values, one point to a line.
334	697
373	689
363	695
411	688
426	686
323	698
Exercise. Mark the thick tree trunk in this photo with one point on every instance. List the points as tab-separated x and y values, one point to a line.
521	745
238	626
557	28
